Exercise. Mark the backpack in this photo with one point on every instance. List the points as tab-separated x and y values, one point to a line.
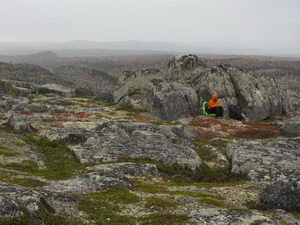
235	113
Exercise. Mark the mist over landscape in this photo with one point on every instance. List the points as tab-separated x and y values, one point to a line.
162	112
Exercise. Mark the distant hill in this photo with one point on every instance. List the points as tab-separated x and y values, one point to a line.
86	77
47	59
28	73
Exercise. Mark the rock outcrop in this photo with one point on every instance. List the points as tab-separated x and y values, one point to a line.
269	159
126	139
258	97
170	101
13	200
282	194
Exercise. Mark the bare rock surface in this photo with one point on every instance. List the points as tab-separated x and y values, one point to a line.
269	159
282	194
170	101
215	216
127	169
86	183
13	198
71	135
133	140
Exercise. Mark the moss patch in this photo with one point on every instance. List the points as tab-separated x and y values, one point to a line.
158	204
59	161
27	182
164	219
7	152
103	207
42	217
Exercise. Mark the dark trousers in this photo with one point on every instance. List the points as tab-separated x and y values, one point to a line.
217	110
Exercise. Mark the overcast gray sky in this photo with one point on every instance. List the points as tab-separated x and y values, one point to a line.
267	24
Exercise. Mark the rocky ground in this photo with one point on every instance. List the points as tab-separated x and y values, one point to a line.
151	157
68	160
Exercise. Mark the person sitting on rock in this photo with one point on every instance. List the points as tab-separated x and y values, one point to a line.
214	107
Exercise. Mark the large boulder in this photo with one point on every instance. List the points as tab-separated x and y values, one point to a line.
268	160
14	199
282	194
291	127
130	84
133	140
257	96
170	101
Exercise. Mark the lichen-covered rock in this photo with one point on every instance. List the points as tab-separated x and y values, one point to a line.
24	107
291	127
126	169
218	159
18	122
86	183
13	199
126	139
73	135
214	216
56	89
170	101
132	83
294	95
22	122
257	96
269	159
282	194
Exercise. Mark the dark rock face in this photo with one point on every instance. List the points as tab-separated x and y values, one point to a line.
291	128
13	198
282	194
73	135
170	101
127	139
269	159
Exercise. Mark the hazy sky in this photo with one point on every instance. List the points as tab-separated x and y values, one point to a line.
268	24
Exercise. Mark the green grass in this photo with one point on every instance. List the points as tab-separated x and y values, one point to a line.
296	215
7	152
164	122
131	109
59	161
20	143
164	219
198	124
27	182
212	185
103	207
159	204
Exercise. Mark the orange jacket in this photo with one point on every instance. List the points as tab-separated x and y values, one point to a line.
213	102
